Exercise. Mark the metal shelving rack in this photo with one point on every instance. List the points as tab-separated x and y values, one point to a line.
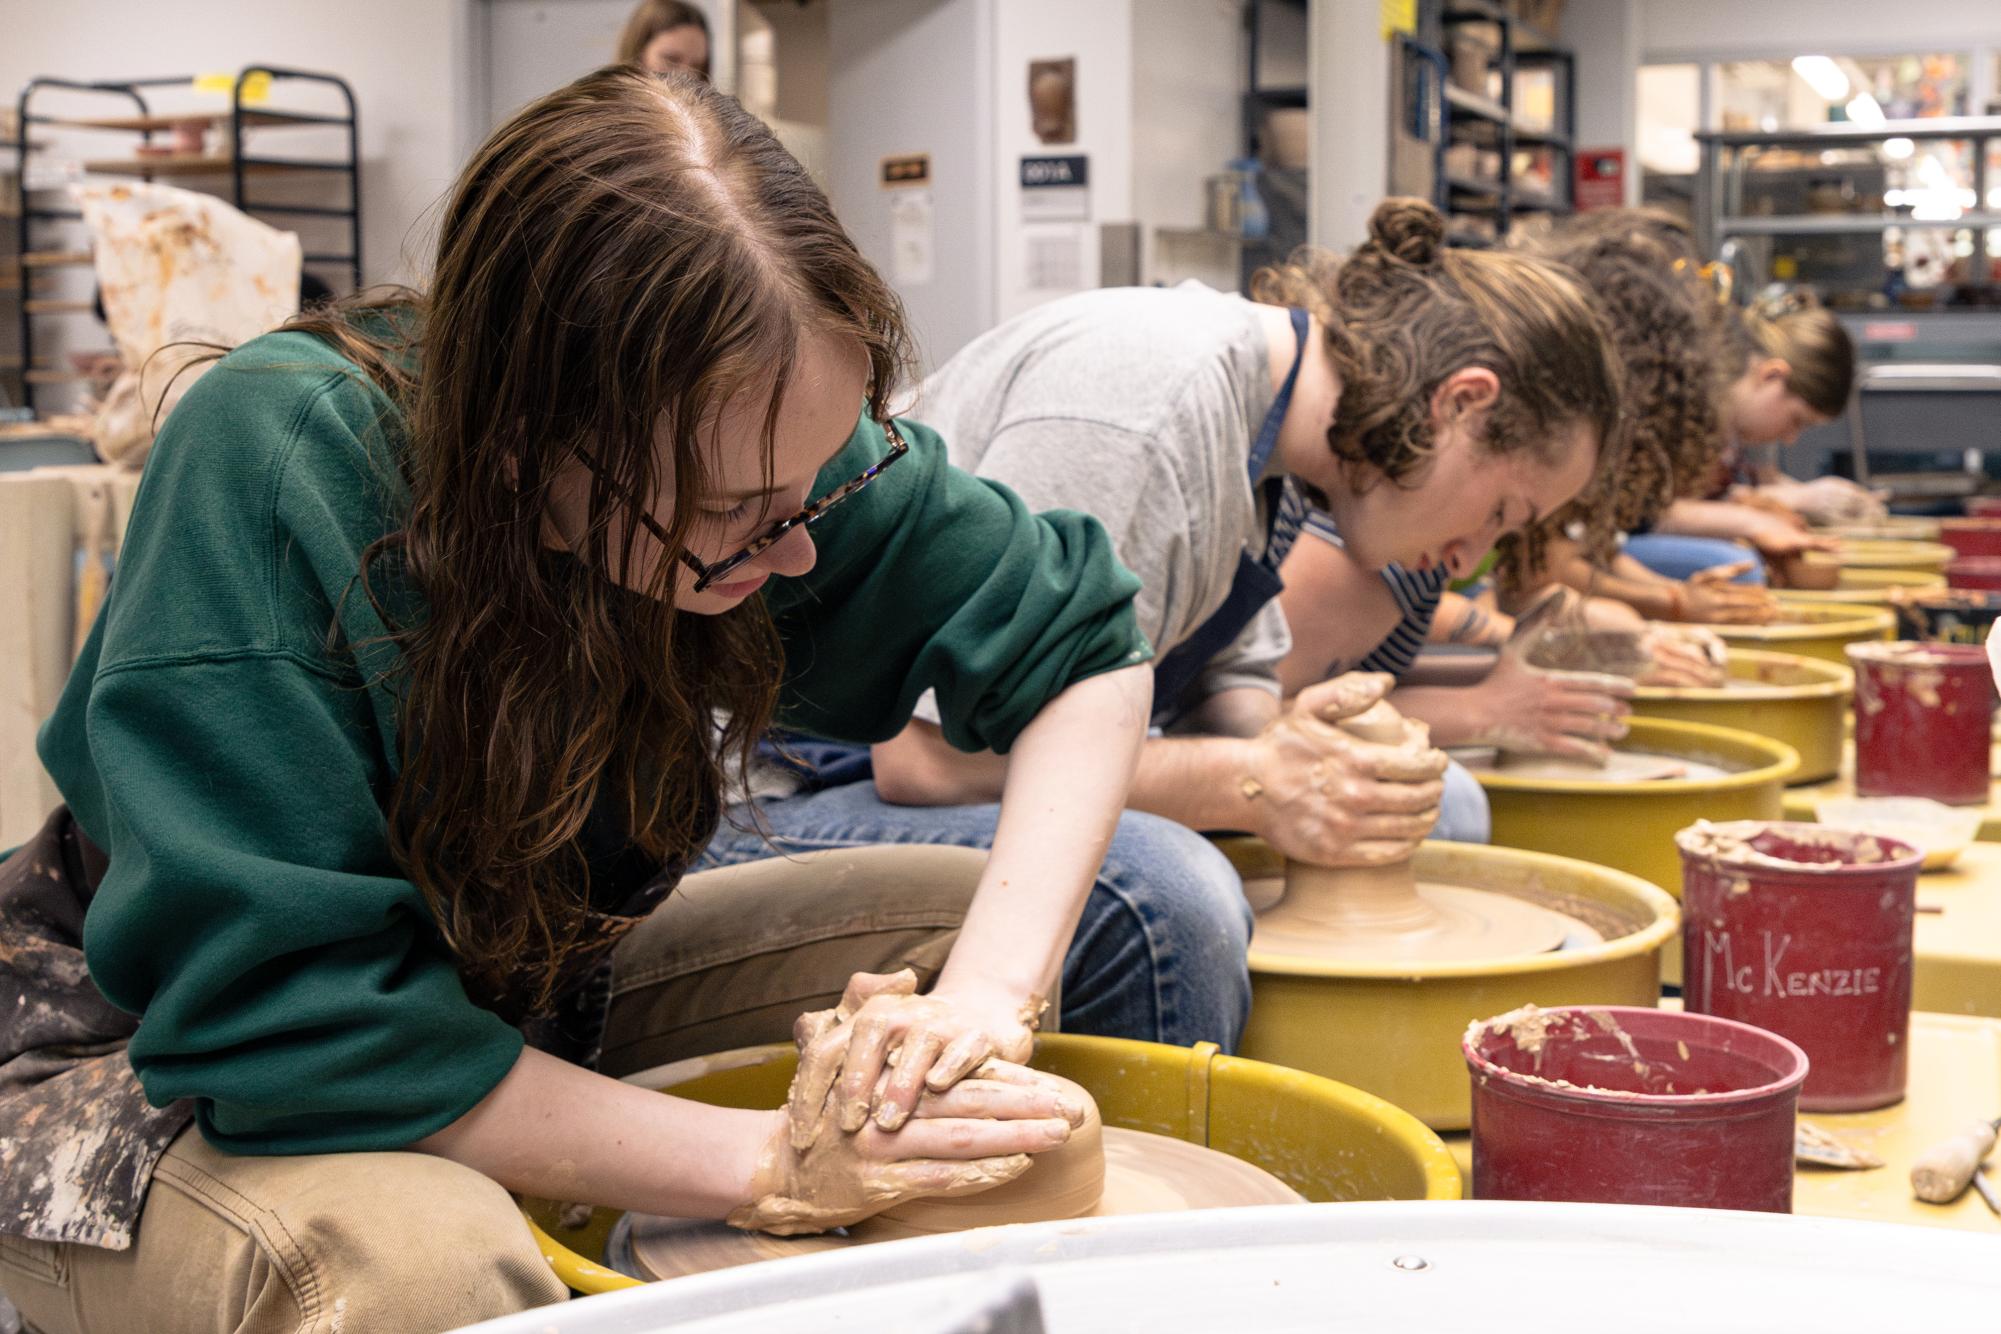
1493	124
1719	185
35	223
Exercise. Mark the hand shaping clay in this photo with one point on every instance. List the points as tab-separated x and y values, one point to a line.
1381	913
1097	1171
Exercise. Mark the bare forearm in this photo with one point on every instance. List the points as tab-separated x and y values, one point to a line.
1629	582
1447	710
1462	620
560	1132
1066	785
1713	518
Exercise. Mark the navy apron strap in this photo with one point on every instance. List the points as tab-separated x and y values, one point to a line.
1256	581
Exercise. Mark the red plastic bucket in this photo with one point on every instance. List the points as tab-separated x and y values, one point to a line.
1984	507
1979	573
1621	1105
1805	930
1923	714
1972	537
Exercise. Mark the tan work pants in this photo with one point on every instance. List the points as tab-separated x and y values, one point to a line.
406	1243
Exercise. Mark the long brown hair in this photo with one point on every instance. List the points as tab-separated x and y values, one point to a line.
1404	313
654	17
619	260
1667	324
1808	337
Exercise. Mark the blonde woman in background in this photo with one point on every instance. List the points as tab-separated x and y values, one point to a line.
666	34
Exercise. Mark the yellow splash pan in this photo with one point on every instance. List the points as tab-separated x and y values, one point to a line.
1813	630
1869	588
1894	554
1630	826
1894	528
1800	701
1326	1140
1394	1028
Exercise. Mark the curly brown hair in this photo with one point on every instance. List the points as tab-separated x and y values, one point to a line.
618	261
1404	313
1668	326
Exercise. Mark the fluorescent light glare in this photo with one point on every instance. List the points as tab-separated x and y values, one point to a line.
1823	76
1865	111
1898	149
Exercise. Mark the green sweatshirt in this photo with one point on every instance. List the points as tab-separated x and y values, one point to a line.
237	769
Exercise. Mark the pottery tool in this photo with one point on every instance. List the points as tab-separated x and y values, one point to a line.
1817	1148
1943	1172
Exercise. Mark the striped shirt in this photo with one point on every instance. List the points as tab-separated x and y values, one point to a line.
1416	593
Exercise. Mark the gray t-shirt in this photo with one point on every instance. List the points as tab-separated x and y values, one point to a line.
1137	405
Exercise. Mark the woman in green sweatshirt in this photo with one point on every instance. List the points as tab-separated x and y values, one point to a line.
400	723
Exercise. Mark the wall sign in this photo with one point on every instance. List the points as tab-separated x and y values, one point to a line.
1600	178
1056	189
906	169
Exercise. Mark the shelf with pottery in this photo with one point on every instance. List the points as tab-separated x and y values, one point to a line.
1955	1078
206	164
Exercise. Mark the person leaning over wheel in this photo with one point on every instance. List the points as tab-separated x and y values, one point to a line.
383	761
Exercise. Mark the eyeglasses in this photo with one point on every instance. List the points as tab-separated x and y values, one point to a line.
707	574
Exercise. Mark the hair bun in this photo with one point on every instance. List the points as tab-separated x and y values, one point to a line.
1408	229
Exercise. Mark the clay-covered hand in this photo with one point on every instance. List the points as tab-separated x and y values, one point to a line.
1323	795
1683	655
1532	711
1778	538
1709	597
1831	500
973	1136
884	1045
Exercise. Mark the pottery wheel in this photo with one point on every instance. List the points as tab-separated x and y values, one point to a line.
1465	924
1143	1174
1625	766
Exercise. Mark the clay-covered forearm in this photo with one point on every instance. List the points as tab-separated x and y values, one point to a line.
557	1131
1627	581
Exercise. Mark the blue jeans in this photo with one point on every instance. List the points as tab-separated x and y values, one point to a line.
1463	813
1677	557
1159	954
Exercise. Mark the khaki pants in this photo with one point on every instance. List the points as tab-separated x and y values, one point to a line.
405	1243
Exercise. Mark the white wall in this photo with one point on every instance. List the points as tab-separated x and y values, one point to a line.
1188	61
1099	35
1606	35
1706	29
1349	73
403	57
914	76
